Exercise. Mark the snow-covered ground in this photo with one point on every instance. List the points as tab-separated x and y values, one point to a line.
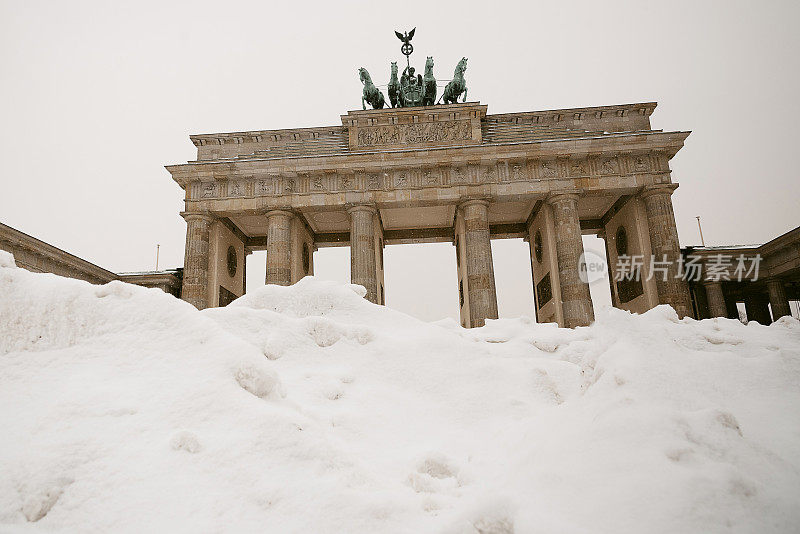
308	409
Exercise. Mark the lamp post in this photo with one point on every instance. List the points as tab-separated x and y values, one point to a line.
701	231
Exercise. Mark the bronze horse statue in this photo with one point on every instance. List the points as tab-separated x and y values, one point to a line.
429	84
394	86
457	86
371	93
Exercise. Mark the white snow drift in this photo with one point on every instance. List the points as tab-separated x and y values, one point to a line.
309	409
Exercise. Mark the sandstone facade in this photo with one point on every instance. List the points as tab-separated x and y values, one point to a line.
442	173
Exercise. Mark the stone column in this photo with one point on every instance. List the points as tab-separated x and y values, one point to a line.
195	261
480	269
279	266
575	298
756	307
716	299
362	250
672	290
247	252
778	299
379	266
602	235
732	308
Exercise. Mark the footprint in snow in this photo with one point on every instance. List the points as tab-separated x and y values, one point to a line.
434	473
37	505
184	440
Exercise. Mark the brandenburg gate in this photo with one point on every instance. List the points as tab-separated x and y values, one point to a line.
439	173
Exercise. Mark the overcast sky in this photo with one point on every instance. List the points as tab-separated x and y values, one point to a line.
96	97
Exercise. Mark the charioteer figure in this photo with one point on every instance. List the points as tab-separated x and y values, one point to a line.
411	89
409	78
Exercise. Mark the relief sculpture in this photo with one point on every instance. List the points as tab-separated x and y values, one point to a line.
396	134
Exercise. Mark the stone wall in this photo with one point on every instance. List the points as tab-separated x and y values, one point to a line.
544	267
40	257
226	263
630	225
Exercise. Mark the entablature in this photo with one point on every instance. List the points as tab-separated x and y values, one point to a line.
584	158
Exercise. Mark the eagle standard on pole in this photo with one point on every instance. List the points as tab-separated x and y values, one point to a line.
407	49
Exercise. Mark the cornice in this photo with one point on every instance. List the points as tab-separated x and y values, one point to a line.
21	240
221	138
257	135
642	108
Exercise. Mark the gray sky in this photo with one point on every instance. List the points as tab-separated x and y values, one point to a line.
96	97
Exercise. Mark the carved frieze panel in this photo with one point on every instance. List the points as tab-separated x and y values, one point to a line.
347	182
237	188
374	181
488	174
578	168
402	179
431	177
414	134
640	163
399	127
459	175
265	187
517	171
318	183
608	166
289	185
208	190
548	169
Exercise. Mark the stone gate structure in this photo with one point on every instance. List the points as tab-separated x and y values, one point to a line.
448	173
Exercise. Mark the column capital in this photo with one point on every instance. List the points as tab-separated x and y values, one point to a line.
362	207
198	216
554	197
712	283
280	213
658	189
473	201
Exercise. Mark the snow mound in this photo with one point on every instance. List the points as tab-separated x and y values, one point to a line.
308	297
7	260
124	409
